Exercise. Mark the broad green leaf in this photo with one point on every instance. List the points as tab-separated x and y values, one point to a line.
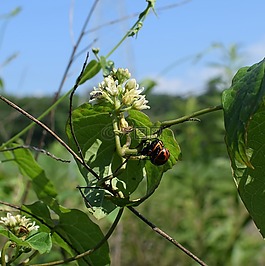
41	184
94	132
97	203
40	241
240	102
40	211
90	71
251	180
244	114
83	235
153	173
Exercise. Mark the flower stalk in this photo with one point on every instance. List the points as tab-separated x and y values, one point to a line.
122	94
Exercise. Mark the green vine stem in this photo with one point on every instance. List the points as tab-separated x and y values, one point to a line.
3	252
22	132
169	123
141	18
38	122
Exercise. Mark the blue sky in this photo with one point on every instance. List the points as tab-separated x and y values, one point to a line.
44	32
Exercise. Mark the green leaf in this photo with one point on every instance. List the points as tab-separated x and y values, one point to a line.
41	184
244	114
148	85
84	235
40	241
96	198
90	71
240	102
94	132
144	127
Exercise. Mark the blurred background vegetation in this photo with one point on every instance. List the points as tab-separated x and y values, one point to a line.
196	203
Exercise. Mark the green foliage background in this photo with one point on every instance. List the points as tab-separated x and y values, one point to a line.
196	203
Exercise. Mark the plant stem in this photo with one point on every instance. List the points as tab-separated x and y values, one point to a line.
3	252
185	118
33	123
142	17
166	236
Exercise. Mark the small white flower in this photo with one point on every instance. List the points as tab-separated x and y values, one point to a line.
120	96
141	103
131	85
18	225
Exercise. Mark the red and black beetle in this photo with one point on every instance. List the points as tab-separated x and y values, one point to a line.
157	152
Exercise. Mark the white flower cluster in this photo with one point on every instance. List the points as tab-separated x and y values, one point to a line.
120	91
18	225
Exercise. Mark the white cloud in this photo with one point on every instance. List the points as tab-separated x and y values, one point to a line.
191	82
194	79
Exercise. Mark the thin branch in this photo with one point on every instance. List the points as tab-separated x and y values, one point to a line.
70	61
191	117
85	49
141	18
71	121
166	236
47	129
37	150
115	21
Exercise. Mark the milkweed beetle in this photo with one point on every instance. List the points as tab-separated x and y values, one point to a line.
158	154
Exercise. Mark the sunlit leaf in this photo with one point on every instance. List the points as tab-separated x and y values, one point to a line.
244	114
40	241
90	71
42	186
94	133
